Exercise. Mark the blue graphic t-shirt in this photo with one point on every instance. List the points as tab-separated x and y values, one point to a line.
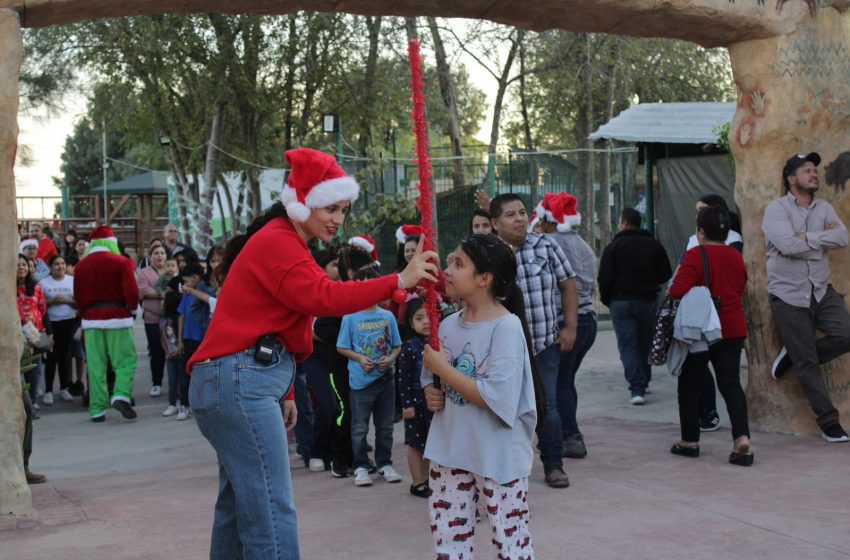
494	442
373	334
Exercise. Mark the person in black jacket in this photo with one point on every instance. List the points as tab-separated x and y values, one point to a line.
633	266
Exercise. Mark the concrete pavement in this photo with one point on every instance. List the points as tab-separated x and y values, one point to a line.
145	490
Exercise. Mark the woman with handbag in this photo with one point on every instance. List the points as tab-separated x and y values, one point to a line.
721	269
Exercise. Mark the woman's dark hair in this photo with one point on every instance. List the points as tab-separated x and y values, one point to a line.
72	260
400	263
155	240
53	259
478	212
413	306
237	243
714	222
366	274
717	201
353	259
190	256
29	281
214	250
489	254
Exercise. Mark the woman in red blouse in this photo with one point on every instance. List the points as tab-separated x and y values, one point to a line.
728	280
271	291
32	307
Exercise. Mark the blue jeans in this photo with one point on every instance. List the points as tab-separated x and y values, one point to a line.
236	402
551	436
376	400
633	323
570	362
327	407
174	367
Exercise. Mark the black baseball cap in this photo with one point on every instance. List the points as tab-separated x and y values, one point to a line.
797	161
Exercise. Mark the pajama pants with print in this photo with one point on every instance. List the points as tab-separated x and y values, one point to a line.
452	506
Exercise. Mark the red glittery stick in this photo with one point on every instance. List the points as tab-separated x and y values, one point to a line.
423	164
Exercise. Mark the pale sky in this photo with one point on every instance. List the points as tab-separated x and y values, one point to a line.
44	136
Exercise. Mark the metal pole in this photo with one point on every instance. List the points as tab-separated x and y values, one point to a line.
105	167
395	166
339	140
648	189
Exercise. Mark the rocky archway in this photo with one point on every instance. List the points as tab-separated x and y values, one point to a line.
791	66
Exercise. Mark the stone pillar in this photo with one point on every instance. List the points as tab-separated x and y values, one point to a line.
793	97
15	495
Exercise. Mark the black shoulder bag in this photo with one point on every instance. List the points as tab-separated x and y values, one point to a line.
718	303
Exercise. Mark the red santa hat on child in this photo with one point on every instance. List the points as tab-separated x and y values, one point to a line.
28	243
315	181
367	244
560	209
407	230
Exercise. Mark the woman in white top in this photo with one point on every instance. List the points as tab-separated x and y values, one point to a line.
62	312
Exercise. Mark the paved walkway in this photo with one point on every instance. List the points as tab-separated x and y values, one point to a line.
145	490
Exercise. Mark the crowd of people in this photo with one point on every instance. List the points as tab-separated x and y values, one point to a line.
285	322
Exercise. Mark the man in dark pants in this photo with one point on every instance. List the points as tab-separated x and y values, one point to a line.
543	275
799	230
632	267
32	478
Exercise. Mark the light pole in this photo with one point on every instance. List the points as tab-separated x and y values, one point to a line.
332	123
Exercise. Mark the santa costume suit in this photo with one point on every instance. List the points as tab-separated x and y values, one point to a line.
273	289
106	294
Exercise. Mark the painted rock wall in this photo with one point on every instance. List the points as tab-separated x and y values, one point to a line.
793	97
14	492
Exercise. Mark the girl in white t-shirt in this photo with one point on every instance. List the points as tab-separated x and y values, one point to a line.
480	442
62	311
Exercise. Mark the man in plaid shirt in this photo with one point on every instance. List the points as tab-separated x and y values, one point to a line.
543	274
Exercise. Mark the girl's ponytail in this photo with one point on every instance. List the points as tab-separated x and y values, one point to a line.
235	245
514	303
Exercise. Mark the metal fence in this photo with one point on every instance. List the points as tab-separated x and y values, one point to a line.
530	175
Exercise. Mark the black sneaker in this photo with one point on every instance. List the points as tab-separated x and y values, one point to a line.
125	409
781	364
99	419
710	422
835	434
339	471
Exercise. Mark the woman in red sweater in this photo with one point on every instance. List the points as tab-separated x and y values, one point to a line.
271	291
728	276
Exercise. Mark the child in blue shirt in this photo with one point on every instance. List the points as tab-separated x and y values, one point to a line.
370	341
190	332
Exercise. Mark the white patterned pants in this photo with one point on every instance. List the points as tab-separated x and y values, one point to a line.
452	507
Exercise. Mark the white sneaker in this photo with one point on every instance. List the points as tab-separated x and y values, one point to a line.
156	391
637	400
65	395
47	399
389	474
35	407
361	477
171	410
183	413
317	465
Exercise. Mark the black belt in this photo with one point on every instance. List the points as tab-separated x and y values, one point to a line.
102	304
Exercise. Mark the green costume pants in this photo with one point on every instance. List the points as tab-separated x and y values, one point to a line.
115	346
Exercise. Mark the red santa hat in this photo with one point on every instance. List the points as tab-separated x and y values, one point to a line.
407	230
367	244
102	232
558	208
315	181
28	243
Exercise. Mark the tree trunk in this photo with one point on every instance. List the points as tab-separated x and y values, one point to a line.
449	100
503	86
15	497
204	215
289	85
586	159
605	183
534	173
235	219
183	189
368	97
